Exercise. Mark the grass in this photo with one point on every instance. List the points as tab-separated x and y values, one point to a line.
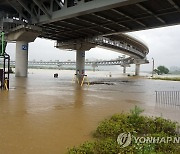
167	78
108	130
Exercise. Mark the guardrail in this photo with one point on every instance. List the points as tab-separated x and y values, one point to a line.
103	41
168	97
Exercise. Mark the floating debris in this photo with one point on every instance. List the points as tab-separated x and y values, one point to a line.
99	82
56	75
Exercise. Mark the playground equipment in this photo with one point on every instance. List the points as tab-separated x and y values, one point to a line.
4	69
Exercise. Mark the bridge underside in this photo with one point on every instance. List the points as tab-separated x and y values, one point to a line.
144	15
74	19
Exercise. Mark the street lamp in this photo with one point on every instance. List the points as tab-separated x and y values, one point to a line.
153	67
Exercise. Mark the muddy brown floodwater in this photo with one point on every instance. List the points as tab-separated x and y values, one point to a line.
45	115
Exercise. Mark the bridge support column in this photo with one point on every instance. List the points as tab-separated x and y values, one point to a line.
21	65
80	64
94	65
22	35
94	68
124	69
137	69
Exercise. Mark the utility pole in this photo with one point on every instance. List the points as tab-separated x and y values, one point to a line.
152	67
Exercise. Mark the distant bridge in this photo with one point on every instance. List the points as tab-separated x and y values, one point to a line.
120	61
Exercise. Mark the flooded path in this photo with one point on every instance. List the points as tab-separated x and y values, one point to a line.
41	114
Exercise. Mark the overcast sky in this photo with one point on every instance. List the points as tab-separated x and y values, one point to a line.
164	45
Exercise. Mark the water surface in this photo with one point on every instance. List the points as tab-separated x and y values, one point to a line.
41	114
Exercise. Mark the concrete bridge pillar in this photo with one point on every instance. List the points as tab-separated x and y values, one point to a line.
124	69
21	59
94	68
94	65
80	64
137	69
23	34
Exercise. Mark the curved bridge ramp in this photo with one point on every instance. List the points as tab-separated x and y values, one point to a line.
121	43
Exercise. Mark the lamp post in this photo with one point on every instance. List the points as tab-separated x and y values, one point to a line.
152	67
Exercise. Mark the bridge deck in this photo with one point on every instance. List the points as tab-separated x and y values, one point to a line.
143	15
74	19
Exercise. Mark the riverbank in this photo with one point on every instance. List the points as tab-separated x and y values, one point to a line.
167	78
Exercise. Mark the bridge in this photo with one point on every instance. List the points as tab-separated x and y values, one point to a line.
73	19
83	24
124	62
88	63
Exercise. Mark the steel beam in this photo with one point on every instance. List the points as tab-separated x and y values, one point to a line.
174	4
82	8
127	16
111	21
27	9
43	8
151	13
92	24
18	10
95	26
60	4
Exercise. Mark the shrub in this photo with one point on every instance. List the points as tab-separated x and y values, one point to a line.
108	130
87	147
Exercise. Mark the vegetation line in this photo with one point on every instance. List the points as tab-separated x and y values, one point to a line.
167	78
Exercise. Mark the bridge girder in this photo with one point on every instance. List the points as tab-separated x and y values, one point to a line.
74	19
82	7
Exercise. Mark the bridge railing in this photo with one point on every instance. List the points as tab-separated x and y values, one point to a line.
119	44
168	97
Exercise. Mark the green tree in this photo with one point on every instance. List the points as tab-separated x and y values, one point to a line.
161	70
